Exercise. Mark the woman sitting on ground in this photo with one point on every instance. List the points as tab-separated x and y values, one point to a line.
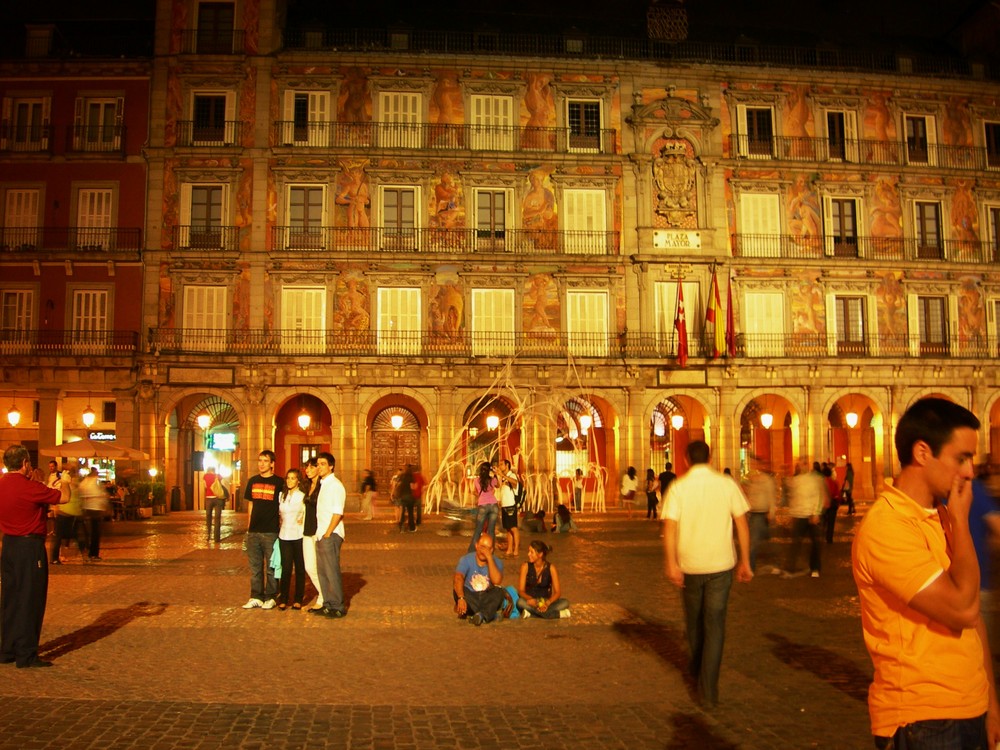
563	520
538	589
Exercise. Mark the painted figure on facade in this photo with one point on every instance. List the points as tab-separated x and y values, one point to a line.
964	220
445	109
447	310
352	305
541	113
538	211
886	214
448	210
971	312
891	306
541	305
798	122
806	303
354	198
803	210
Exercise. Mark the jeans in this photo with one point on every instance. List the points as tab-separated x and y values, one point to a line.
487	603
328	561
803	527
938	734
830	519
652	500
68	527
309	562
94	520
259	549
407	511
551	612
213	507
578	499
706	598
486	516
759	533
292	560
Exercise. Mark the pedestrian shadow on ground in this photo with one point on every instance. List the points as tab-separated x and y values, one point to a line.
353	583
829	666
662	639
102	627
693	731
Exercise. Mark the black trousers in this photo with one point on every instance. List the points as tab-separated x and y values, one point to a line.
24	585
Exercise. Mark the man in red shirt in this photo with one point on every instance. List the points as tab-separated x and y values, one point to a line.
24	570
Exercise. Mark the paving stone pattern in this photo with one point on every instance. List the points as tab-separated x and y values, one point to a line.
152	650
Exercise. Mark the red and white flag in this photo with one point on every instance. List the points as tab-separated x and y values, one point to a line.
680	323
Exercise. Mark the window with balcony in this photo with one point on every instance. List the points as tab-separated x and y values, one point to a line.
20	219
90	310
216	23
587	323
399	119
921	139
491	219
928	325
841	226
306	209
841	135
755	132
399	320
491	122
764	324
17	308
849	325
492	322
760	225
97	124
993	233
213	119
203	313
94	219
303	320
665	312
399	220
583	120
927	226
584	221
25	124
202	210
992	144
307	119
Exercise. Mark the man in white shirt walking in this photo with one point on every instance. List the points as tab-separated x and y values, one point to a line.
330	537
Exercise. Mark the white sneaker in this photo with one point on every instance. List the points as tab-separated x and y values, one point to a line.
814	574
563	614
269	604
253	604
525	614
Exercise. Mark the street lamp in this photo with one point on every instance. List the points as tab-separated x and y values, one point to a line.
204	422
585	423
396	420
677	421
492	422
852	419
766	420
304	420
153	472
13	415
88	415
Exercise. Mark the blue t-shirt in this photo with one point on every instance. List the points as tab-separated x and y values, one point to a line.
983	504
477	577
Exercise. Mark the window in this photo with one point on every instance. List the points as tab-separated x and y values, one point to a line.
492	322
90	319
399	320
492	123
17	309
20	220
764	324
491	219
920	139
213	119
760	225
303	320
215	28
755	132
848	325
399	119
202	209
204	318
97	124
993	230
584	121
399	226
109	411
305	216
587	323
25	124
584	221
841	136
928	325
992	145
665	311
307	118
842	227
927	225
93	219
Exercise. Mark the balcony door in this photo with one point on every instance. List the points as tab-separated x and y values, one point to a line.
90	320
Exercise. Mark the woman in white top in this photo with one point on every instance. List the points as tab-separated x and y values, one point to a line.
630	488
292	509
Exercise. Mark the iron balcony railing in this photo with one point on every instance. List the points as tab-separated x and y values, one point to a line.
25	138
436	240
76	239
788	246
427	136
106	139
649	348
210	41
68	342
194	237
193	133
867	152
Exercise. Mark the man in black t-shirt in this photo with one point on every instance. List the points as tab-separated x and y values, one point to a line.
666	477
262	494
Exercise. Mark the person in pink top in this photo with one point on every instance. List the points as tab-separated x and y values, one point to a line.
486	501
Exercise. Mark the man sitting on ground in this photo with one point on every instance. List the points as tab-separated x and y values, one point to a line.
476	586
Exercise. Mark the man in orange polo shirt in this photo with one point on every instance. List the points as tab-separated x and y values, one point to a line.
918	579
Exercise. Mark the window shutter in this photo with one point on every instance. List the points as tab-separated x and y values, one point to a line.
931	126
288	119
7	125
828	238
742	137
760	225
851	136
45	122
952	325
831	325
871	327
913	322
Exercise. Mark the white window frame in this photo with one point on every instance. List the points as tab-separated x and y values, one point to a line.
21	218
185	234
829	238
491	122
579	145
930	127
95	217
303	319
584	215
90	313
309	237
991	160
764	314
587	323
743	132
17	320
204	315
229	124
993	326
400	320
868	346
917	228
405	237
318	128
991	220
10	139
493	322
495	239
399	116
764	221
84	131
851	150
950	324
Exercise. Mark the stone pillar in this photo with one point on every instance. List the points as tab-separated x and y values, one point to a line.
50	417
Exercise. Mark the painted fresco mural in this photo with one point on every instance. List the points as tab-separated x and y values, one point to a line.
352	303
891	305
539	113
447	310
447	204
540	309
352	200
538	209
804	213
971	311
805	302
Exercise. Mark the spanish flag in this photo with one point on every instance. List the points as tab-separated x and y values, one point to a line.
713	319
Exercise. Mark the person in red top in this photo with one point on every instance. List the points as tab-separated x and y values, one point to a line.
24	568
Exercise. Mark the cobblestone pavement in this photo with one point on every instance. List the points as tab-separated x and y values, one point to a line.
153	650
